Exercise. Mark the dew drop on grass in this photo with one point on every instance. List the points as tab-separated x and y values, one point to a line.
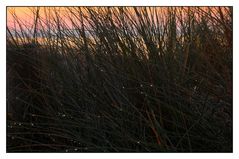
195	87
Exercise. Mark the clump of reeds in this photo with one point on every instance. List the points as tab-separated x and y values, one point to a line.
120	79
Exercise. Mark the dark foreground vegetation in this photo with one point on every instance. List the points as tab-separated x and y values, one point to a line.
120	80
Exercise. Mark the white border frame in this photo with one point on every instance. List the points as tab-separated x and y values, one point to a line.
5	3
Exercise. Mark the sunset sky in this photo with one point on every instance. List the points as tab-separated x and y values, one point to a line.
25	15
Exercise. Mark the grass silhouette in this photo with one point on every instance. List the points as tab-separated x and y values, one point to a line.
120	79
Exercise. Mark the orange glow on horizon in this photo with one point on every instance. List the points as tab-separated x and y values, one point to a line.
26	14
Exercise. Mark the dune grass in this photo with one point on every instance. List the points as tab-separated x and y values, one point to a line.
120	79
